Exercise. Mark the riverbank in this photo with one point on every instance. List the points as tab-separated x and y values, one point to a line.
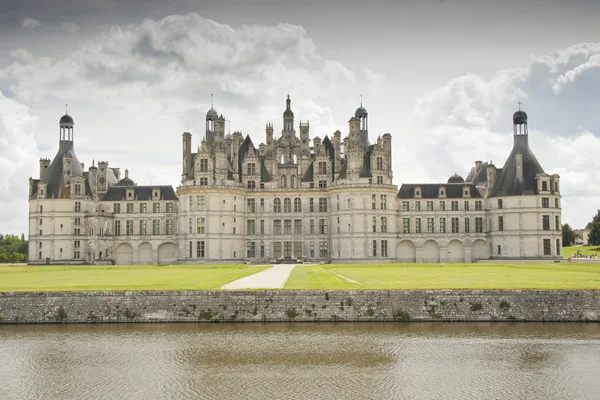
300	306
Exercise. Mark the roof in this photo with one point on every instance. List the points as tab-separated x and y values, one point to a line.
431	190
365	172
53	177
139	193
264	174
309	174
478	175
66	119
331	151
456	179
508	184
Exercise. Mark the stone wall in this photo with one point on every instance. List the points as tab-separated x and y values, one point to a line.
305	306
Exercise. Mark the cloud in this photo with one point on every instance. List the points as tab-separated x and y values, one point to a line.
70	27
470	118
31	23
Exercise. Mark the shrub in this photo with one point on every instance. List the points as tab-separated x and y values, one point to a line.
62	314
292	313
504	305
401	315
370	311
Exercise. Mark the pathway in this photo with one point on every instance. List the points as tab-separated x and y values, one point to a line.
272	278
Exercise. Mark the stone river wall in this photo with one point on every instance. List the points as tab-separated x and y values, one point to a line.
301	306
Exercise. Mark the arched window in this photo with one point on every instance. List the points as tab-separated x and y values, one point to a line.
277	205
297	205
287	205
293	181
283	181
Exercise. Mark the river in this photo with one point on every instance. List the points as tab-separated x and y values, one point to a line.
301	361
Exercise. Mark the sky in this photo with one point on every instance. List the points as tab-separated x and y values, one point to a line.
443	77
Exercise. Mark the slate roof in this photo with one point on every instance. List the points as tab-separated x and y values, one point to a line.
331	151
139	193
365	172
478	176
508	184
243	150
431	190
53	176
264	174
309	174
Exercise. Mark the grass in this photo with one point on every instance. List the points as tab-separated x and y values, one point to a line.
131	277
446	276
570	251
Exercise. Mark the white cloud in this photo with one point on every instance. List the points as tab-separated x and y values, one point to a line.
31	23
70	27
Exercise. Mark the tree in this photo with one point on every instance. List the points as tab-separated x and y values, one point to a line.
594	235
568	236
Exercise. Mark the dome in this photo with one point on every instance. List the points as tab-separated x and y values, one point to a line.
125	182
212	113
66	119
456	179
361	112
288	113
520	117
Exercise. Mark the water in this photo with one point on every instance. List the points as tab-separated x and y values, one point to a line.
301	361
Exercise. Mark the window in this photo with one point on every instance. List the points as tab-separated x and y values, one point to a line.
262	249
322	204
190	225
478	225
374	248
405	206
77	231
557	222
406	225
312	226
430	225
77	207
204	165
129	227
380	180
467	225
373	202
117	227
129	208
323	249
417	225
374	224
545	189
379	163
297	249
77	221
117	208
251	227
277	249
200	203
556	203
277	205
546	222
383	201
311	205
155	207
558	247
251	250
169	207
442	205
312	249
454	225
277	227
297	205
251	184
384	248
144	208
478	205
251	169
156	227
323	226
418	205
251	205
545	202
322	184
190	203
143	227
499	250
547	249
42	208
200	225
77	188
429	205
297	227
454	205
262	205
169	227
322	168
283	181
466	205
500	223
499	203
287	205
384	224
442	225
203	181
200	249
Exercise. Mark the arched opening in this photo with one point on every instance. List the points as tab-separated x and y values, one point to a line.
167	253
455	252
283	181
124	254
480	250
431	252
145	253
406	251
287	205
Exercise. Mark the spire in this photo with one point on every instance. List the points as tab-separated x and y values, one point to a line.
212	100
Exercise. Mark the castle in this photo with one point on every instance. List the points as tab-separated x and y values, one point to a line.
292	198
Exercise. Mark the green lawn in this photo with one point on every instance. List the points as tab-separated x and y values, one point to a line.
446	276
121	277
585	250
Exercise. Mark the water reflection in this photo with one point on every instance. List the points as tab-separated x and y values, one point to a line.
307	361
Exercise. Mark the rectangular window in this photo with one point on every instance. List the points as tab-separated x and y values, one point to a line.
374	248
311	204
547	249
322	204
169	207
312	226
117	227
322	184
374	224
429	205
251	184
143	227
430	226
500	223
200	225
467	225
373	202
251	205
380	180
251	169
454	205
384	248
478	205
262	205
323	226
251	252
297	227
191	249
200	249
323	249
277	249
191	202
556	203
117	208
383	224
262	226
156	227
454	225
200	203
190	225
77	221
298	205
546	222
442	205
383	200
558	247
129	227
277	227
405	206
143	208
478	225
251	227
129	208
312	249
406	225
203	165
417	225
287	227
418	205
545	202
442	225
499	250
203	181
262	249
466	205
557	222
545	188
169	227
379	163
155	207
499	203
322	168
77	207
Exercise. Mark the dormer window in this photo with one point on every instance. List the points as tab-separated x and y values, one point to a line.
442	192
203	165
129	194
155	194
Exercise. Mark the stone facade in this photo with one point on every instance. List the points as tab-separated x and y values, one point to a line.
305	305
291	198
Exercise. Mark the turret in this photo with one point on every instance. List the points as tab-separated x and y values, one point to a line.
304	129
269	133
491	177
44	164
220	128
363	116
187	155
288	117
354	124
93	178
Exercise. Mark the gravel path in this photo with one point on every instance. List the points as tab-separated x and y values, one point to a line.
272	278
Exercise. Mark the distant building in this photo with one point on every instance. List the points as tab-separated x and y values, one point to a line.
585	234
291	198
